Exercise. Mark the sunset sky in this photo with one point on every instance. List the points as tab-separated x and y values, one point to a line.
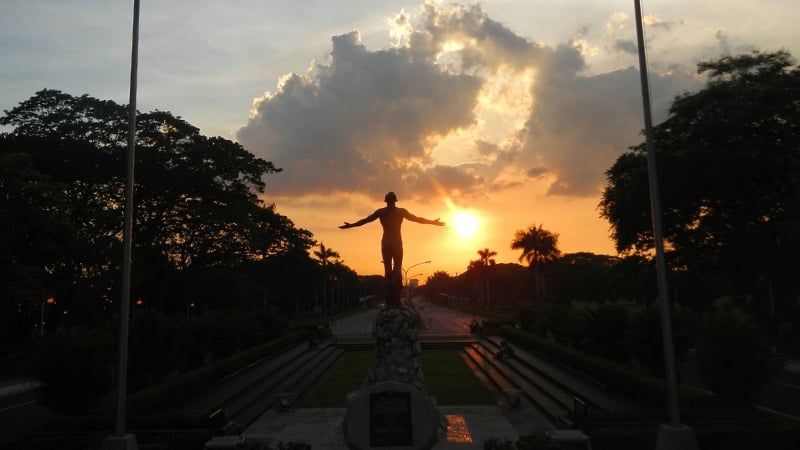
507	110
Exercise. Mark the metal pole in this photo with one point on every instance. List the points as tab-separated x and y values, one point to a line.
122	371
655	208
41	330
405	276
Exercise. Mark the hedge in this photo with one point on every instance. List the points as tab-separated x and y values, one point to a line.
174	391
625	379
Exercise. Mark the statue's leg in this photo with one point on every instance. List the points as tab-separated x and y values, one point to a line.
393	296
394	284
387	267
397	272
392	265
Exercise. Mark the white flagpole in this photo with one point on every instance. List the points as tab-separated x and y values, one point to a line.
121	440
673	435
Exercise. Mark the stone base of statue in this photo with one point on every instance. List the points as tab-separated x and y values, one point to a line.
394	415
392	409
396	348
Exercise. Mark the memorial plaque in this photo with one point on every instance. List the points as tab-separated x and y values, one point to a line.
390	419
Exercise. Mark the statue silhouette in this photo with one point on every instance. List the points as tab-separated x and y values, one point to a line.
391	218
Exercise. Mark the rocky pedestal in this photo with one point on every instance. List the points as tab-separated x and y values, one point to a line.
393	409
396	349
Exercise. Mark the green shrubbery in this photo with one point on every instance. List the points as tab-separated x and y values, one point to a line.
735	359
622	345
618	332
77	364
76	367
156	397
621	377
774	434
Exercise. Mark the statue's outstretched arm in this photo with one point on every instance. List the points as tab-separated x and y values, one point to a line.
363	221
418	219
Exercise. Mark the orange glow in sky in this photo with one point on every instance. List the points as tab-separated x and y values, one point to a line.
466	224
492	116
467	230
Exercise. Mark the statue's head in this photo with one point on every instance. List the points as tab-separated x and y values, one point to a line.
390	198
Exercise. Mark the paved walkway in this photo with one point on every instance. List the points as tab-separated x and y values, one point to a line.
322	427
16	386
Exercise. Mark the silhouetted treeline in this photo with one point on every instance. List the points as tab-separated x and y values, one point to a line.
728	158
202	238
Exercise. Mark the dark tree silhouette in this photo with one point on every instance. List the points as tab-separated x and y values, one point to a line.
728	159
539	248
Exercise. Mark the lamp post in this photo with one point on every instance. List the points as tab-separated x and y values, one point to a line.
45	302
408	285
405	275
674	435
121	440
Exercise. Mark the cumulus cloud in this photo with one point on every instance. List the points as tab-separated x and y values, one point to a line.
460	106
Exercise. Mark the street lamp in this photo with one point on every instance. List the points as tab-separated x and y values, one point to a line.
45	302
673	435
405	276
405	271
120	439
408	285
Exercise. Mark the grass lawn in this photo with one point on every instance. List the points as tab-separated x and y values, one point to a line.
446	377
450	380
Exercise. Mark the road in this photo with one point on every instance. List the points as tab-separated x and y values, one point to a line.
781	394
442	320
20	410
436	320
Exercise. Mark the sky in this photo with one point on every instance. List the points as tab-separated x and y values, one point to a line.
502	114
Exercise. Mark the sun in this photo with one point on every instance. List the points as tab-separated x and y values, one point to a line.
466	224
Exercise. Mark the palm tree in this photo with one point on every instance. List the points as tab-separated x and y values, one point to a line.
325	254
539	248
487	264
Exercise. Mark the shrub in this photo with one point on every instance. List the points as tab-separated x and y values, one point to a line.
566	324
76	367
735	356
605	333
152	350
624	378
644	339
175	391
528	319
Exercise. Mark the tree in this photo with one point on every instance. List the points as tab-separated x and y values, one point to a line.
344	285
324	255
728	160
539	249
35	237
439	284
584	277
486	265
198	218
731	342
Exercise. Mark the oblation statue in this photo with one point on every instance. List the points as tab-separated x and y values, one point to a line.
391	218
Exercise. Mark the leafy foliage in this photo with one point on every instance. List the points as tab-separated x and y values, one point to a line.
728	158
75	366
539	249
202	236
735	355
